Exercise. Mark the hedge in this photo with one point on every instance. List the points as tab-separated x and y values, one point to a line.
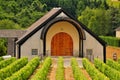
43	71
12	68
6	62
26	71
60	69
112	41
113	74
93	72
78	75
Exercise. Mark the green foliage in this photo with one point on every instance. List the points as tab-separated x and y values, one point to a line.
15	66
8	24
112	41
119	60
60	69
43	71
113	64
107	70
115	4
93	18
3	49
6	62
1	58
26	71
22	12
78	75
93	72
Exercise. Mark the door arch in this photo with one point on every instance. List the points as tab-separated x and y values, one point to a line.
62	45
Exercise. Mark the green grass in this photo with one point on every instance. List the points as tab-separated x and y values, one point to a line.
115	4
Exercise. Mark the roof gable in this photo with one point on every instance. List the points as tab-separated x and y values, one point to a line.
55	12
40	23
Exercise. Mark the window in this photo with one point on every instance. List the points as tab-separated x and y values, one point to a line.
34	51
89	51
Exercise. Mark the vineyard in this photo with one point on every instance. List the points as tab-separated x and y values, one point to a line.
22	69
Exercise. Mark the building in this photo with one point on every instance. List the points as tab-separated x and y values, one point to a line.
117	32
57	33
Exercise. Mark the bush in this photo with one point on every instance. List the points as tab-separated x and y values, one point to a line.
112	41
26	71
78	75
12	68
6	62
60	69
93	72
43	71
107	70
1	58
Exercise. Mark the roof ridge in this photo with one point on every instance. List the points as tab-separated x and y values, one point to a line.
40	19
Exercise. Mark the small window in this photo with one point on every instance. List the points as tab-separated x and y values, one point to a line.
34	51
89	51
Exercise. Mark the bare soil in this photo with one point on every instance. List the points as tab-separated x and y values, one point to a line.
86	74
68	73
35	71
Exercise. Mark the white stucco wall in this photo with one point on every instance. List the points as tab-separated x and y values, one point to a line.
63	26
118	34
92	43
34	42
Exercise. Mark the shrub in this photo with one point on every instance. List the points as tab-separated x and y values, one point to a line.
78	75
112	41
107	70
60	69
6	62
1	58
93	72
26	71
15	66
43	71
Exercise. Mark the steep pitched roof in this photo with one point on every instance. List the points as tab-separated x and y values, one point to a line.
117	29
40	22
48	17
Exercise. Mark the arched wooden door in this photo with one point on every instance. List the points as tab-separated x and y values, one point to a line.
62	45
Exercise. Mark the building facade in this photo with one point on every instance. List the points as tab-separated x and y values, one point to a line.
57	33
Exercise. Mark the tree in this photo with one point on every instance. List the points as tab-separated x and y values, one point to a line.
80	7
94	19
8	24
85	16
3	49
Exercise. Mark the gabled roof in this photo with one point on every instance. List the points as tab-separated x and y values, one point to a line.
38	24
117	29
48	17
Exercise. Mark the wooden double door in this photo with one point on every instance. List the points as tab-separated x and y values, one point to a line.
62	45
